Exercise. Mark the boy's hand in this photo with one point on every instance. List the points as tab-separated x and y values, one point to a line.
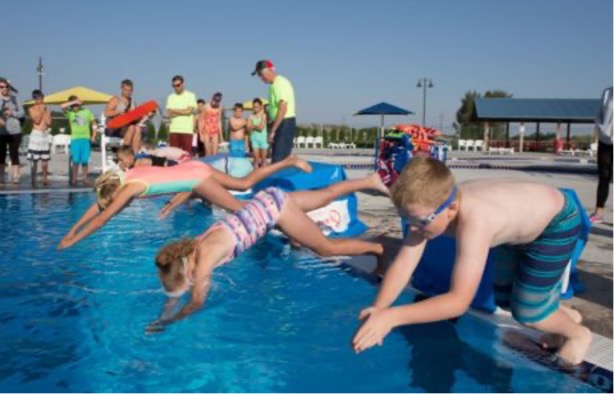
373	330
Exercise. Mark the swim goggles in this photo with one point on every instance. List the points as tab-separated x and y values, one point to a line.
425	221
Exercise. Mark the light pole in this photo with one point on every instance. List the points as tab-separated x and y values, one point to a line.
424	83
39	70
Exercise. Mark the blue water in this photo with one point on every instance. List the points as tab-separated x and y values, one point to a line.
276	319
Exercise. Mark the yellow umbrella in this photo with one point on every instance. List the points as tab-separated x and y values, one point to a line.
247	105
89	96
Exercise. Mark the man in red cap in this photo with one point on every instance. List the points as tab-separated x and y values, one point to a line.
282	110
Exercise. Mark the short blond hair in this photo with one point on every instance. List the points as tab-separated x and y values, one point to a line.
423	181
105	187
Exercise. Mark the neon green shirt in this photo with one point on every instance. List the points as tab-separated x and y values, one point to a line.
183	124
281	90
80	123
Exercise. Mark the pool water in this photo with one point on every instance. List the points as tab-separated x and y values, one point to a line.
276	319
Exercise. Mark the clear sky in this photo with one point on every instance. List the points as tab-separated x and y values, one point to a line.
341	56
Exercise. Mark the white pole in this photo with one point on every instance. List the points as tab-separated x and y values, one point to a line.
103	143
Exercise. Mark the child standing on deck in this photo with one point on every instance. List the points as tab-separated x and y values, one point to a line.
211	118
189	263
537	227
82	134
257	128
238	142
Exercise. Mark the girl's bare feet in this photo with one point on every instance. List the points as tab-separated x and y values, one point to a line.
377	184
299	163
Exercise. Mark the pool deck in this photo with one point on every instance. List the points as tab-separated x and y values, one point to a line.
595	266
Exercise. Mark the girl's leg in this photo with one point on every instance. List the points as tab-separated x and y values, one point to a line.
298	226
256	158
314	199
207	143
263	153
258	174
215	141
211	190
135	141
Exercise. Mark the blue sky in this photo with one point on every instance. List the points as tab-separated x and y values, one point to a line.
341	56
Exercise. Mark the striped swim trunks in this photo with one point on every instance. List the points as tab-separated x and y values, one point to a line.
528	277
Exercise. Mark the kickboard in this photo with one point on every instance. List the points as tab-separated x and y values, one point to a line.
598	377
132	116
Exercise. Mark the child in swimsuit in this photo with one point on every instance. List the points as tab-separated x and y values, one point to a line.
115	190
192	261
211	119
149	155
536	225
238	143
256	126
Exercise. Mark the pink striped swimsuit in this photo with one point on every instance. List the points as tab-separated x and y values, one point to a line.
253	221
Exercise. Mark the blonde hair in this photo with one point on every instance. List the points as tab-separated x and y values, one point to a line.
423	181
170	263
105	187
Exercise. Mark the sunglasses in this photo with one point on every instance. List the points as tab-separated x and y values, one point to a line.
4	86
177	85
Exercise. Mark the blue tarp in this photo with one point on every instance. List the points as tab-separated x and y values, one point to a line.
384	109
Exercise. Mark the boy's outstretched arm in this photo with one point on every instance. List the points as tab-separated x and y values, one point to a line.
401	270
472	251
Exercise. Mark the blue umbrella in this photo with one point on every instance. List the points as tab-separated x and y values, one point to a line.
383	109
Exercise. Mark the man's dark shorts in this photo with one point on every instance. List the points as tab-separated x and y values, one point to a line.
284	140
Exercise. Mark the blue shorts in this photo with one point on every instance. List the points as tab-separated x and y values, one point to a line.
236	148
528	277
80	151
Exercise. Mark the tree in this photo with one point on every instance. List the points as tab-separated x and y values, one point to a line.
151	132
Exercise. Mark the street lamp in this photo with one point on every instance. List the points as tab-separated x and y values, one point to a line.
424	83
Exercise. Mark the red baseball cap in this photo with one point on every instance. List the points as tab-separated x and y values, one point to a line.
261	65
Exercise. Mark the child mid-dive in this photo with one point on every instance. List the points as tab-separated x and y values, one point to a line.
188	264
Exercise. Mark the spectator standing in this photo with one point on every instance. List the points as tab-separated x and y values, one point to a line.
180	107
603	128
282	110
11	113
82	134
38	146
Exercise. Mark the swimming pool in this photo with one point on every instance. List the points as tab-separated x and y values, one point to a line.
276	319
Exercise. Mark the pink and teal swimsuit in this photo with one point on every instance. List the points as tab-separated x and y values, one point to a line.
165	180
253	221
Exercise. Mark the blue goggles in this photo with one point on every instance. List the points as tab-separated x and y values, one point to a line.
425	221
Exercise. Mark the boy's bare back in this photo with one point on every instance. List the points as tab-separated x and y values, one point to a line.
506	211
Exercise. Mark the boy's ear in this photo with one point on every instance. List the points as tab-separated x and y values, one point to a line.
453	210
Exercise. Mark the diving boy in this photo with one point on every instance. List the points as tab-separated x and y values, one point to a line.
537	227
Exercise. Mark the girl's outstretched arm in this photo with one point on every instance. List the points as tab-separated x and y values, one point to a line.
173	203
123	198
87	216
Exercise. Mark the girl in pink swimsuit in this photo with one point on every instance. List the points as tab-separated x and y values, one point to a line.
211	120
114	191
189	263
